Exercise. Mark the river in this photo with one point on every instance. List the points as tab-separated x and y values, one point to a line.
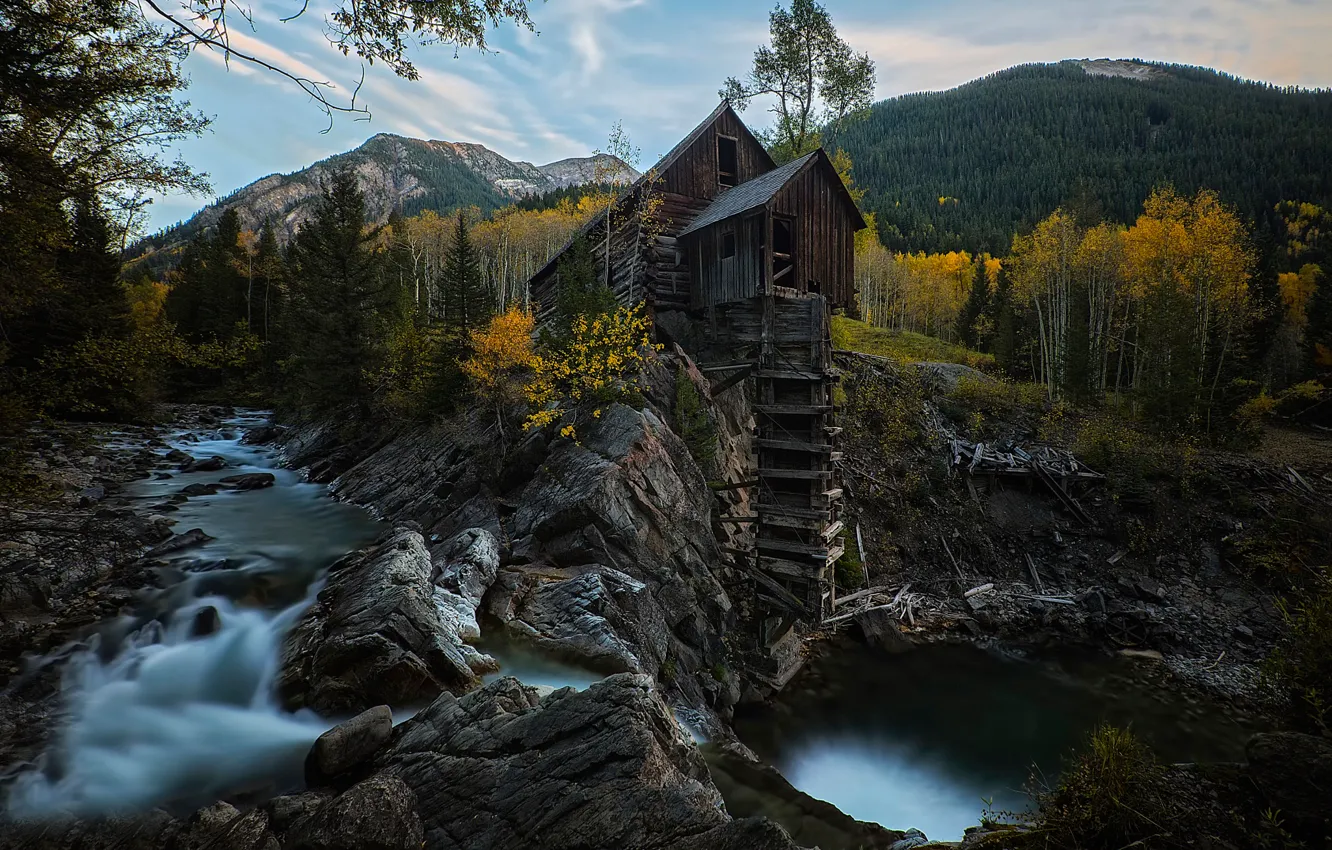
178	718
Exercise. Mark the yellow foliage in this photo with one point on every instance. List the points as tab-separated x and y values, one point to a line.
602	363
502	354
1297	292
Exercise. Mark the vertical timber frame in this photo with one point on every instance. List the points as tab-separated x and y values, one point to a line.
798	537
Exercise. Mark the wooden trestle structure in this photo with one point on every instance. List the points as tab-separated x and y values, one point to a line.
799	494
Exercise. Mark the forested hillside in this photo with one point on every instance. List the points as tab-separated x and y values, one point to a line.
966	169
397	175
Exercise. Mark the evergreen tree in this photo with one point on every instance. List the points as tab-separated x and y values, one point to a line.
341	302
976	303
467	301
581	292
1003	341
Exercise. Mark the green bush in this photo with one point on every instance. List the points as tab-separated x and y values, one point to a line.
1111	795
850	569
693	423
1300	667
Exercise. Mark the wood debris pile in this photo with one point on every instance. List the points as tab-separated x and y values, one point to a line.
1055	468
897	601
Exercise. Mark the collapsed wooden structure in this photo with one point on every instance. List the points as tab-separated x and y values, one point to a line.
760	255
1058	470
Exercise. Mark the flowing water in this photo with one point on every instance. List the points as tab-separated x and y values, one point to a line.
930	738
180	715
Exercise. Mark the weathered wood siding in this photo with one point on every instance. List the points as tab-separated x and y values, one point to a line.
824	235
694	173
722	281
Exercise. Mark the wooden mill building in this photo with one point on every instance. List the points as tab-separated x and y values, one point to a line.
761	253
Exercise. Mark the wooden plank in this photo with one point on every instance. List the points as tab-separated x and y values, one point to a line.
738	519
794	409
796	569
739	485
814	550
705	368
833	530
811	524
793	446
798	474
798	375
833	495
767	511
731	380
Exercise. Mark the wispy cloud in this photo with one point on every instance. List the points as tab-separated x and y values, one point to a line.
657	65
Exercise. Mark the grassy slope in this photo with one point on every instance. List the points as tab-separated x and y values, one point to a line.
904	346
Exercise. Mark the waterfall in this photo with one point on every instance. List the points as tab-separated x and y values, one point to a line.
174	719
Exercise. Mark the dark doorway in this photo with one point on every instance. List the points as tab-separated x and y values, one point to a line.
783	252
728	161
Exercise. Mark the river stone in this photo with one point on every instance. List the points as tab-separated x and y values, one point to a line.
1293	772
249	481
193	537
208	464
199	489
349	744
375	635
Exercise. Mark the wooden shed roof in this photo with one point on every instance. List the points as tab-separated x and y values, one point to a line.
657	170
755	193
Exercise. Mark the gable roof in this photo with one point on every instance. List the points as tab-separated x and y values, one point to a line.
748	195
671	157
755	193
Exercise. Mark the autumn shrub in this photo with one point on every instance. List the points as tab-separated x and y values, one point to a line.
1111	795
1300	667
501	362
601	364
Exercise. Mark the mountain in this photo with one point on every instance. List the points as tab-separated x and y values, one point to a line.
969	167
402	174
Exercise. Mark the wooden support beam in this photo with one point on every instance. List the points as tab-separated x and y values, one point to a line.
814	550
738	519
833	530
831	496
794	409
739	485
770	511
725	367
799	474
798	375
805	570
731	380
793	446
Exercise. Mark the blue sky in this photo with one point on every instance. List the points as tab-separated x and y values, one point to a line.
656	65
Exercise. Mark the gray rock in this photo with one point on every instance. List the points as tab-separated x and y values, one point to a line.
91	495
208	464
464	568
603	768
249	481
881	631
601	619
379	813
349	744
1149	590
375	635
1293	772
199	489
193	537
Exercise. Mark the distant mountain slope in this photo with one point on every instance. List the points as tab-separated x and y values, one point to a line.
396	173
966	168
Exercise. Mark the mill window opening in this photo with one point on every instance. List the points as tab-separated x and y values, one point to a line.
728	161
727	244
783	252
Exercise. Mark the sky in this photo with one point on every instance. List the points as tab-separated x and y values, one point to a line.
656	65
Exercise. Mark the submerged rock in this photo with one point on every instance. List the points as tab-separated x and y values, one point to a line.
208	464
177	542
249	481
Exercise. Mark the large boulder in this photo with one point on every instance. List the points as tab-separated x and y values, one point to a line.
629	498
603	768
375	634
601	619
464	568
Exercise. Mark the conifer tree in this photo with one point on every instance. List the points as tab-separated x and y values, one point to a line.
977	301
467	302
341	301
581	292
